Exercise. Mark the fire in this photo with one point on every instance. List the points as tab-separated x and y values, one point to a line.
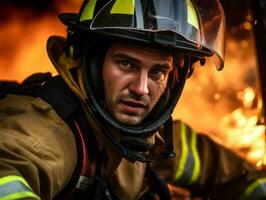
242	131
23	36
224	105
219	104
29	50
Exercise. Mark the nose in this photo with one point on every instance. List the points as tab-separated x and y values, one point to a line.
139	84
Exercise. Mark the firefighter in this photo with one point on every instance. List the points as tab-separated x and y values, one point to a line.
102	128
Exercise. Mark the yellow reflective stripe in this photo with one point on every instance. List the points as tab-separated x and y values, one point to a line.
195	153
11	178
71	52
184	153
192	15
123	7
252	187
88	11
19	194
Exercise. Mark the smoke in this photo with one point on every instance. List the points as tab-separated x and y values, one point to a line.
24	30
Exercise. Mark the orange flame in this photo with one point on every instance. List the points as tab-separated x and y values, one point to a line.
23	39
242	131
220	104
224	104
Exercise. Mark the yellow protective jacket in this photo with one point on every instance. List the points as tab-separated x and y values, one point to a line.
38	155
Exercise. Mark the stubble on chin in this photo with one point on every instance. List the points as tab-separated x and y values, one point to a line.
128	119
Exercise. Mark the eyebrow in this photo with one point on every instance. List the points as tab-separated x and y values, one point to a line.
165	66
125	56
136	61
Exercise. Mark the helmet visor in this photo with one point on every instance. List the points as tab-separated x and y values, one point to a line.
200	22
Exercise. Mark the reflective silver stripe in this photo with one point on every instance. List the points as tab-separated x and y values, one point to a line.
15	190
256	190
189	164
139	14
84	183
12	187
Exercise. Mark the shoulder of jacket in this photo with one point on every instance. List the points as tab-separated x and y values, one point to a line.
14	104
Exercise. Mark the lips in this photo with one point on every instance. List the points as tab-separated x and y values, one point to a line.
132	106
134	103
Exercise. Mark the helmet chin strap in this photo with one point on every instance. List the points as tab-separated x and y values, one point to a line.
133	142
140	149
134	148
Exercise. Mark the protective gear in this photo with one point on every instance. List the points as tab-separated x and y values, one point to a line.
40	137
30	149
31	125
182	26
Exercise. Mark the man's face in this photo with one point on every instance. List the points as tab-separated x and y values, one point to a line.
134	77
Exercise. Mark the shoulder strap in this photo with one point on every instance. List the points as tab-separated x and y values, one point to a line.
85	180
54	91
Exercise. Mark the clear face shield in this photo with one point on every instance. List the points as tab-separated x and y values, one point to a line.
200	23
193	27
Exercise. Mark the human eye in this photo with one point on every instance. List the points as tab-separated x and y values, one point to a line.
159	74
126	65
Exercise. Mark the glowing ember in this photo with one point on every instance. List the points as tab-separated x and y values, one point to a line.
242	131
224	105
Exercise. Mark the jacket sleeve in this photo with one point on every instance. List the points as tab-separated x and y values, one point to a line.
211	170
37	149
